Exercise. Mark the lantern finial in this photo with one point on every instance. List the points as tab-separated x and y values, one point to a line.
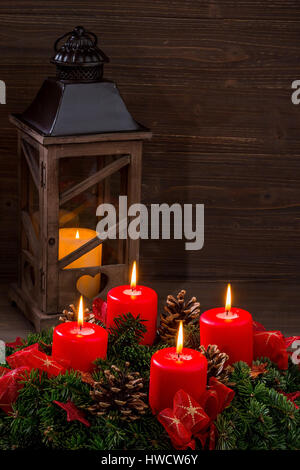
79	58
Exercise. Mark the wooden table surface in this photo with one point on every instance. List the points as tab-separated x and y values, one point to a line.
262	299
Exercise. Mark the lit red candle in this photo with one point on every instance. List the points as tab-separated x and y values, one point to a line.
173	369
134	299
76	345
231	329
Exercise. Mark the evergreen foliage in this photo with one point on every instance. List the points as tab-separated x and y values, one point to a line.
259	417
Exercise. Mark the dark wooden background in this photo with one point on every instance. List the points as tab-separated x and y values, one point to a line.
212	79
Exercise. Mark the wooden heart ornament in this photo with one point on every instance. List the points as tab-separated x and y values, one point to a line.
89	286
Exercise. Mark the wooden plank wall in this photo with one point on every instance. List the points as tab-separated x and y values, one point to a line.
212	79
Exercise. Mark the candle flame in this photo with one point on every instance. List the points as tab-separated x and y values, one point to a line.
77	235
179	345
80	312
228	299
133	277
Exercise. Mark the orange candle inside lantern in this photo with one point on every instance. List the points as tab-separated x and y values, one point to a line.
76	345
173	369
70	239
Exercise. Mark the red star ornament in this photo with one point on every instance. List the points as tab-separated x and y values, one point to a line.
73	413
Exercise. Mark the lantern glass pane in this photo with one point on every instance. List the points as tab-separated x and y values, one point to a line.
77	215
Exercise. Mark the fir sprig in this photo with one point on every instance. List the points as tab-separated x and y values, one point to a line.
260	417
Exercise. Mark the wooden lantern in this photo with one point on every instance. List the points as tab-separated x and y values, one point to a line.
78	146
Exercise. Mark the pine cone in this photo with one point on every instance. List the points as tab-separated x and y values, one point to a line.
70	314
177	310
215	363
121	391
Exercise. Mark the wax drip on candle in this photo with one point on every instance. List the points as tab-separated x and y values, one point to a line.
179	345
80	313
228	300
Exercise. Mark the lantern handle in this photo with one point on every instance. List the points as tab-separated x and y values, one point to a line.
94	36
59	39
78	30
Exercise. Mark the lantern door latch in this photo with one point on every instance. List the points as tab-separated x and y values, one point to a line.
43	175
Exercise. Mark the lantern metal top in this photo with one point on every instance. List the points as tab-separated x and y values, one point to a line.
79	57
79	49
79	101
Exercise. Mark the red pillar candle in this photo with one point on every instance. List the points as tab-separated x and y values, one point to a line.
173	369
231	329
78	345
137	300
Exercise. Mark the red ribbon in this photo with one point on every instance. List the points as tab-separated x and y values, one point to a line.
100	309
15	344
10	385
272	344
292	397
34	359
22	362
181	437
189	419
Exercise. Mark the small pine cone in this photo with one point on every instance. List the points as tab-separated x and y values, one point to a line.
119	391
48	433
48	430
177	310
216	363
70	314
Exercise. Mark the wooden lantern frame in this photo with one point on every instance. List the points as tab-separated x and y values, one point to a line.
54	286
